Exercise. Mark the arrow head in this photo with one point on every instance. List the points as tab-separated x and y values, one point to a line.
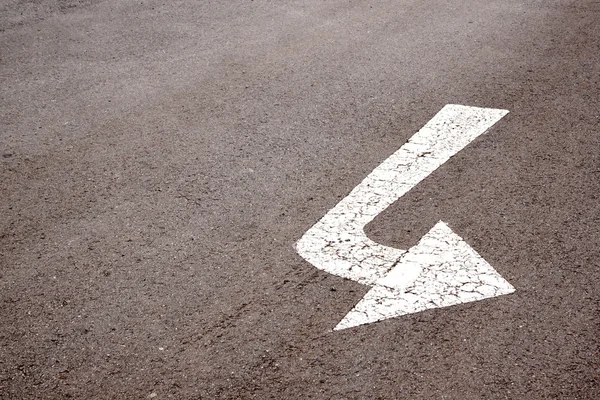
440	271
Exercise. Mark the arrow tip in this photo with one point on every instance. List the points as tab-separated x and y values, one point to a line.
451	272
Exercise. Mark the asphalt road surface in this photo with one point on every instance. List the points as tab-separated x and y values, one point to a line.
160	159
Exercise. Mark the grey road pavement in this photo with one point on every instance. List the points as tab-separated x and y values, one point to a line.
160	159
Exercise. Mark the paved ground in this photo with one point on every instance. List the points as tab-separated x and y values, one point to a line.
159	159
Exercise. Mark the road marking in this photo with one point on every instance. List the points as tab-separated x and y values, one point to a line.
442	269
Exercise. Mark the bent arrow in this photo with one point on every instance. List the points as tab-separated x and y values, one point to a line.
442	269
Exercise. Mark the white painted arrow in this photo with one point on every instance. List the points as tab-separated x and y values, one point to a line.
442	269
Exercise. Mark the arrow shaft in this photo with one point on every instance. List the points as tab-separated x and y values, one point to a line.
338	244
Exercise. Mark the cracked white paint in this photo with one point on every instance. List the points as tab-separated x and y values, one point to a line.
442	269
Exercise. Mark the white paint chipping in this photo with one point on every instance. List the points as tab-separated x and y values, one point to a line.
430	274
